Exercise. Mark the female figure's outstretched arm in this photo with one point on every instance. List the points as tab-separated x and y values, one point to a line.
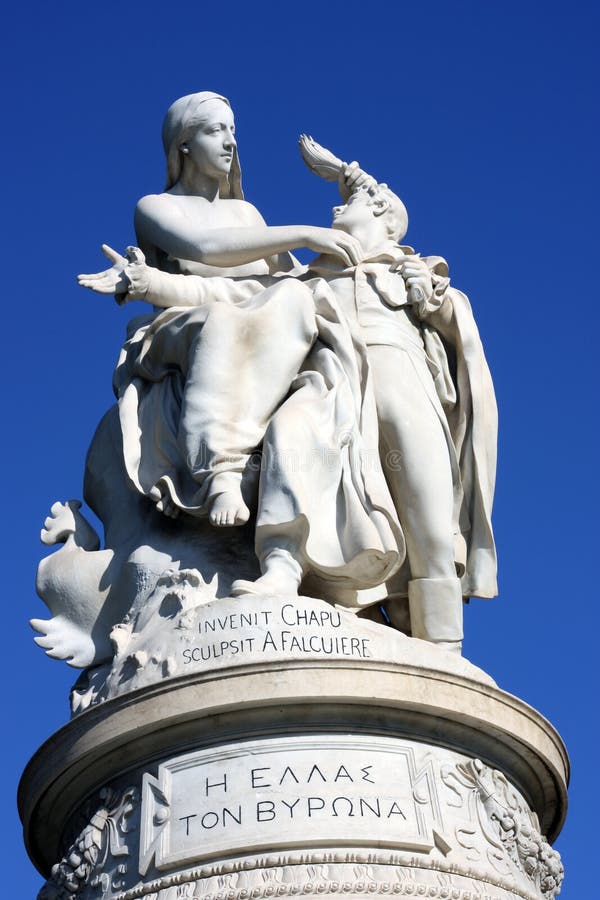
161	222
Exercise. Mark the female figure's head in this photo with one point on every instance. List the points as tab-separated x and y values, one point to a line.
200	126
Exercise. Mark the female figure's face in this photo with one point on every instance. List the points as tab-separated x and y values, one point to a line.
210	147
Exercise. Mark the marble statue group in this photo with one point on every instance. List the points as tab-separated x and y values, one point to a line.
295	486
327	430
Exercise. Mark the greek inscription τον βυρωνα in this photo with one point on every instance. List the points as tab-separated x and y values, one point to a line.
325	790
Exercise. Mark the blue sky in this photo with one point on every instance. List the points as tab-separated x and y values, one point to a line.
483	117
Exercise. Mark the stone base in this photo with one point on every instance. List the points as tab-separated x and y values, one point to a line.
305	776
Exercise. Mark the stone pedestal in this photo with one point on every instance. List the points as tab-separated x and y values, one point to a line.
288	749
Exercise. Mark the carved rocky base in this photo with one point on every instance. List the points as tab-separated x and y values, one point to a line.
308	776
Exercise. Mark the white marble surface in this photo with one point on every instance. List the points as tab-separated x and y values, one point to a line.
272	399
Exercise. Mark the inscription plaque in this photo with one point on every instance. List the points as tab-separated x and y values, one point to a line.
239	633
289	791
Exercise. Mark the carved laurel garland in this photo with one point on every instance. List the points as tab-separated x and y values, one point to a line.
103	833
507	825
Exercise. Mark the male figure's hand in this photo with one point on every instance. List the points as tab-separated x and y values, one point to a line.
114	280
351	178
417	278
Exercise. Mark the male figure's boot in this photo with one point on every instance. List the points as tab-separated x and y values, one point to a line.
436	611
282	574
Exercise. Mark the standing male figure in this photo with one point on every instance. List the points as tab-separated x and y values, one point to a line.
436	412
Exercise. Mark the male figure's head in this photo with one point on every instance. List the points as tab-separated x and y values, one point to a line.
373	214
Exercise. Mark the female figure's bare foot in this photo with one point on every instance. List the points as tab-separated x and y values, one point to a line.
228	508
162	499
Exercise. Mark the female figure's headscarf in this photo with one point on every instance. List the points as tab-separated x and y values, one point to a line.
181	119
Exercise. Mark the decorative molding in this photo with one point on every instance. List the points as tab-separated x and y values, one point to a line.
282	876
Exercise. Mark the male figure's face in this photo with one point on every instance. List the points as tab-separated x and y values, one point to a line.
357	214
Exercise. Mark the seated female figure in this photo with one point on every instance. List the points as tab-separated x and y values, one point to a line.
197	387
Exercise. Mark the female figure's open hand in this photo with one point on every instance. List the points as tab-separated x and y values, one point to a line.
110	281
